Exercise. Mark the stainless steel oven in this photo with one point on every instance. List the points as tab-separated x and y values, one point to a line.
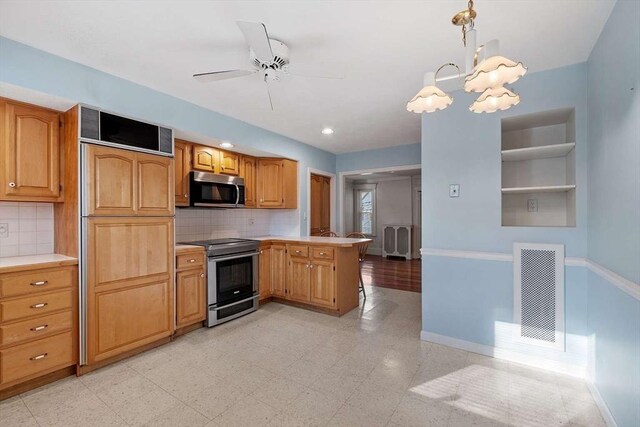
232	283
216	191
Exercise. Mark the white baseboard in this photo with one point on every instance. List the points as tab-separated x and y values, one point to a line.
504	354
604	409
374	251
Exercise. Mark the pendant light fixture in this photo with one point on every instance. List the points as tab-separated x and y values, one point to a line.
489	76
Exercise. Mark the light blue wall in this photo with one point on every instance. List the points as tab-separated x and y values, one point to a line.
614	143
24	66
461	147
401	155
614	209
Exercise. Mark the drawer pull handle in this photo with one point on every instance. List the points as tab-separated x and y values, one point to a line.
39	328
39	283
322	254
39	305
192	260
38	357
298	252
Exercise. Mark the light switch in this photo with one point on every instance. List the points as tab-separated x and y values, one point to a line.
4	230
454	190
532	205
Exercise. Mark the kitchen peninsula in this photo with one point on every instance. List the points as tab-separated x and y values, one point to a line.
320	273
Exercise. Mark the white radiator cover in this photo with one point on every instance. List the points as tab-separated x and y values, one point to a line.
396	240
538	289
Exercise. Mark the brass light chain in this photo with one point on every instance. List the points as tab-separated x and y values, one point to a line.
464	27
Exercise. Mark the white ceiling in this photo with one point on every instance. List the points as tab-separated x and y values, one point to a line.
381	47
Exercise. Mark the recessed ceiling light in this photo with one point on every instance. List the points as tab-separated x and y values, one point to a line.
226	145
367	173
327	131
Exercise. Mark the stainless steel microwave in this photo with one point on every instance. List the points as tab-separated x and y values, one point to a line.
216	191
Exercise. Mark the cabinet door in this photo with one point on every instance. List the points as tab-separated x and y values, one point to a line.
206	158
190	299
111	181
278	270
182	158
316	205
323	283
264	274
129	284
229	163
270	183
155	184
30	156
298	279
248	172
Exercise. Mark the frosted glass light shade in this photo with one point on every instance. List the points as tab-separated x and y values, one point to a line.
494	99
494	72
428	100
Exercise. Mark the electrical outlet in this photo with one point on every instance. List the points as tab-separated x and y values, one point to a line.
454	190
532	205
251	221
4	230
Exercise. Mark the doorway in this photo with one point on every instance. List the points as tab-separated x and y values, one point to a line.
320	206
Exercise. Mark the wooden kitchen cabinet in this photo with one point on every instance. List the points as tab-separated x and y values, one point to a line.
191	300
298	279
127	183
229	163
248	172
38	325
264	272
278	270
322	283
277	183
130	284
182	162
29	153
206	159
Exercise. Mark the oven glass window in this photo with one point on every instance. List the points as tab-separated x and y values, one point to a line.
234	279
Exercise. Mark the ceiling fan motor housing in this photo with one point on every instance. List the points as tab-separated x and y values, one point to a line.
280	56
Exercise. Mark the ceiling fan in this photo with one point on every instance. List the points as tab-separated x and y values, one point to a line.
270	58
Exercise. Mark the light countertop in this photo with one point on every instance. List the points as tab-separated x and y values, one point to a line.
181	247
315	240
17	263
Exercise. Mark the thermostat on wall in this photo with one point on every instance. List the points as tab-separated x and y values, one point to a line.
454	190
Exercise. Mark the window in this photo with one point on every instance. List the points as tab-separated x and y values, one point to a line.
365	209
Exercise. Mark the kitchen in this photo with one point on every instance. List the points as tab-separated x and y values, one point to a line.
118	281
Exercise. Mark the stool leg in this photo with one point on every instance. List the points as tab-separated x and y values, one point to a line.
364	294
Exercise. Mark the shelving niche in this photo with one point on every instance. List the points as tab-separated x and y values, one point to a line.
539	163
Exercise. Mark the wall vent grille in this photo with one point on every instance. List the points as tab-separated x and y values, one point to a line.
539	294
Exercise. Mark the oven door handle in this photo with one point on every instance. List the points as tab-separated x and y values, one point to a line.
227	258
235	303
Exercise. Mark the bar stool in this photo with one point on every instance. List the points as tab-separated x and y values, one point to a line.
362	252
328	234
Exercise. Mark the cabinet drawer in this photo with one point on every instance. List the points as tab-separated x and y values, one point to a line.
29	359
299	250
194	259
35	281
35	305
322	253
35	328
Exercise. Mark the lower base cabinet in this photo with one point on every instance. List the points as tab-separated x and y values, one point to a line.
278	270
191	299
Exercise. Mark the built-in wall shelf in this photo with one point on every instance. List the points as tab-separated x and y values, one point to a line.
540	189
539	152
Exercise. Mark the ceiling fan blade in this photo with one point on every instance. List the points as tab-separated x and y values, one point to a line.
215	76
257	38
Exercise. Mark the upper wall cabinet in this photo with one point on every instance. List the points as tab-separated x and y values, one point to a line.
229	163
29	153
182	158
248	172
206	159
122	182
277	183
539	169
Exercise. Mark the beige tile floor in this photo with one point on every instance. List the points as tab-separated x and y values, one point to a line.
284	366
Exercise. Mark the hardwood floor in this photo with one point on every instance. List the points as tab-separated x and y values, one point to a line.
392	273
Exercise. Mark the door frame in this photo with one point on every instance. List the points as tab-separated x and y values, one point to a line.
332	198
341	180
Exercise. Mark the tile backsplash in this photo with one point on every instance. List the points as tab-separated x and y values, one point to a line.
201	224
30	227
